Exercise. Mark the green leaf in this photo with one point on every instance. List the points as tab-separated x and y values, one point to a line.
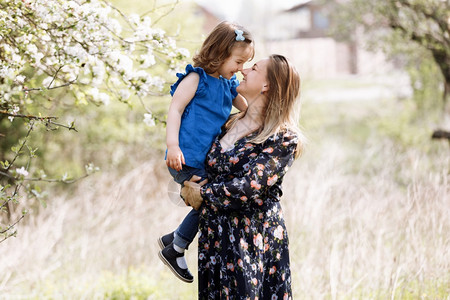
5	164
43	203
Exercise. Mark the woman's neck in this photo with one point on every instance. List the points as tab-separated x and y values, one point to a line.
254	115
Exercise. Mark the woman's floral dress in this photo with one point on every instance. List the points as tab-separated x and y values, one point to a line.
243	243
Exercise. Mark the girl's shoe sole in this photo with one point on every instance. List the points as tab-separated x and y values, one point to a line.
173	271
161	244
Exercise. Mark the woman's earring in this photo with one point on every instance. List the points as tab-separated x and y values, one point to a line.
262	92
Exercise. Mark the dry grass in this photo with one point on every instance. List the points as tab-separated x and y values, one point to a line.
81	246
355	236
365	222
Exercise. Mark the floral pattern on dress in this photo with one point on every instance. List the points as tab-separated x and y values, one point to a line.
243	243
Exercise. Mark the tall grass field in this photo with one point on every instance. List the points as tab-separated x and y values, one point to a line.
367	210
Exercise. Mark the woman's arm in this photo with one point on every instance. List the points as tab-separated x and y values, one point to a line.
181	98
240	103
265	170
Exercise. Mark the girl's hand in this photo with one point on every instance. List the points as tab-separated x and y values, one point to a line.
175	158
191	192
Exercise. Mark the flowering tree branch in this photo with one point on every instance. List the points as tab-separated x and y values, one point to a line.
49	87
29	117
46	120
6	232
89	50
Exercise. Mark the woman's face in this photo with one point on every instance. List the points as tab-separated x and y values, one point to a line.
255	79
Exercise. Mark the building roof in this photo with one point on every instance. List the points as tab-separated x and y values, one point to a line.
300	5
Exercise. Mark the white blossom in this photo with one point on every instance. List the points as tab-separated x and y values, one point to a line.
38	56
84	43
20	79
15	109
134	18
46	38
94	92
125	64
104	98
184	52
32	49
71	72
90	168
65	176
115	26
22	171
124	94
77	51
149	120
148	60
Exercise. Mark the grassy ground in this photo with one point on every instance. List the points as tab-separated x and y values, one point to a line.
366	209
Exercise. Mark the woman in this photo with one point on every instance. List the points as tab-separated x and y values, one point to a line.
243	243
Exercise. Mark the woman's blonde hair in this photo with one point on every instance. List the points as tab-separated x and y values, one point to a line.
218	45
280	112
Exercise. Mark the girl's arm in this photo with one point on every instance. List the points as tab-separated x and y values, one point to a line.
181	98
240	103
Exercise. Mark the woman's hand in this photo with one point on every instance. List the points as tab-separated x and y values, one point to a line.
191	192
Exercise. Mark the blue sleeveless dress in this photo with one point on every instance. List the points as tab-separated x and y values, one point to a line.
204	115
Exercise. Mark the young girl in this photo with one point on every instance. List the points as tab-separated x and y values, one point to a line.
201	103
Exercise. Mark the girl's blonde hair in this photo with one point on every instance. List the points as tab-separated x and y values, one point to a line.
280	112
218	45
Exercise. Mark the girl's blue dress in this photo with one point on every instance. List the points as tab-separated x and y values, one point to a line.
204	115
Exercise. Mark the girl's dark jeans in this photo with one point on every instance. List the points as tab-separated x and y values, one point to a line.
186	232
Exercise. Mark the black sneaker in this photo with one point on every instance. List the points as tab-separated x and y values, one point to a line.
169	257
165	240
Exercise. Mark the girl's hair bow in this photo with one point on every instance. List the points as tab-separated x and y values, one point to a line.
239	35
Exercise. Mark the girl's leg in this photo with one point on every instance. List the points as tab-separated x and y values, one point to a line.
173	254
186	232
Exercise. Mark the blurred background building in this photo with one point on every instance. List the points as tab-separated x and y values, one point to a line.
299	30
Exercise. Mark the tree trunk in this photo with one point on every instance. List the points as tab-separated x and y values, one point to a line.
446	98
442	59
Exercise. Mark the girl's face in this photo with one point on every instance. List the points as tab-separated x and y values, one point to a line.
235	63
255	80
